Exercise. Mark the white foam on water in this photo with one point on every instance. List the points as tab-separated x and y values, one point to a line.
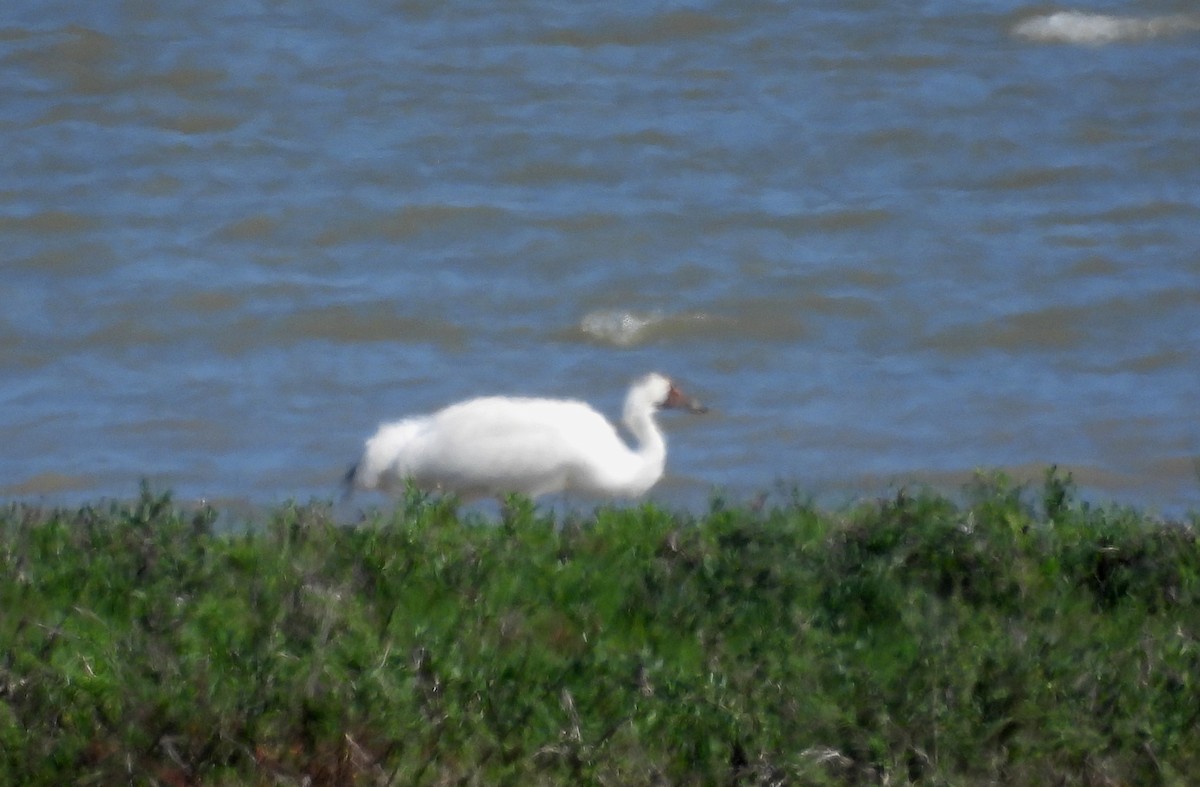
1078	27
618	327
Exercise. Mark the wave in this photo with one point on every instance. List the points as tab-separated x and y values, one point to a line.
618	327
1079	27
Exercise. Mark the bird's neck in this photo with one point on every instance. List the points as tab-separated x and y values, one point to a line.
651	447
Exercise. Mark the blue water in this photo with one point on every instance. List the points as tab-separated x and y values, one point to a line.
888	243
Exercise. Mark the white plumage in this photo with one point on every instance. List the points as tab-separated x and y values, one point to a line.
494	445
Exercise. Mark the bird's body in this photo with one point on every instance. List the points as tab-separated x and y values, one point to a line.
494	445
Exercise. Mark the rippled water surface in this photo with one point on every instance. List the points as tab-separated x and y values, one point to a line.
887	242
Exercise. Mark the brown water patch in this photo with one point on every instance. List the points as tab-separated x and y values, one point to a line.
70	111
408	223
187	80
1058	327
537	173
208	302
1148	364
82	57
250	228
341	324
1136	240
1181	467
1147	211
664	28
78	258
1093	265
902	63
1046	329
1150	210
1090	134
1071	241
583	222
48	221
905	140
648	138
1036	177
867	278
193	432
200	123
49	484
837	306
127	332
159	186
800	224
15	34
1125	436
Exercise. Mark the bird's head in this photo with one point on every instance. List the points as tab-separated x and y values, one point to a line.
664	394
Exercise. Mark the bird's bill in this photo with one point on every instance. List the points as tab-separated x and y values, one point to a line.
678	400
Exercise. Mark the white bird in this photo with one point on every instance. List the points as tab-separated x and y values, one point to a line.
493	445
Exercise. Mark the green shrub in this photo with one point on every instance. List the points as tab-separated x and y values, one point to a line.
910	640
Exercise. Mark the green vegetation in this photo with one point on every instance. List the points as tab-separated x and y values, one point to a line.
1013	638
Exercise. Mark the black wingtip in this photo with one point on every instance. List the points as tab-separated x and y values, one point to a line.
348	482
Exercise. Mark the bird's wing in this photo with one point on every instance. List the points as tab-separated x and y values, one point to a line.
526	445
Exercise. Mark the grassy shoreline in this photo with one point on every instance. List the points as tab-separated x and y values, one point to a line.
1018	637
